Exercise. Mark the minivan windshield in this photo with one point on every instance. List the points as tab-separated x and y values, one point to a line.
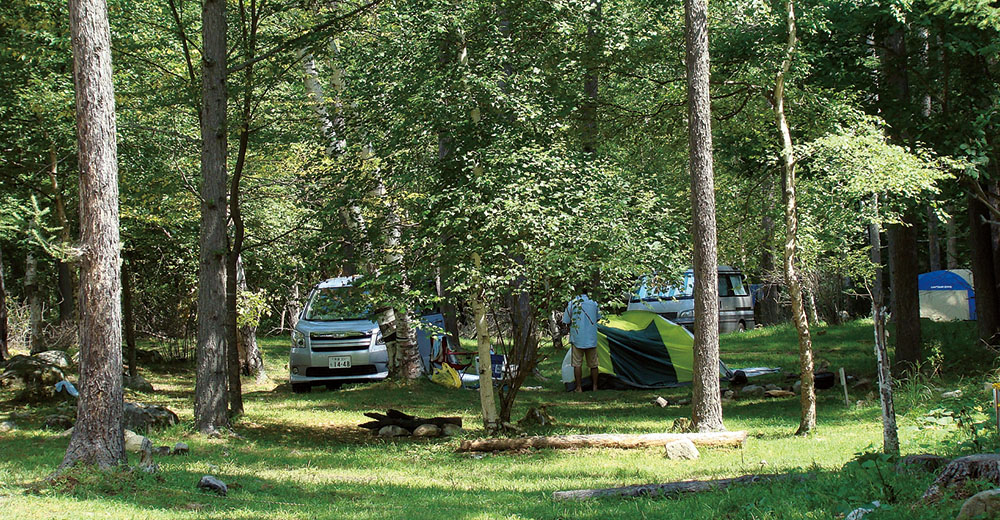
684	290
337	304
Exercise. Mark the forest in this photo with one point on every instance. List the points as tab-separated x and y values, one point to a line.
199	199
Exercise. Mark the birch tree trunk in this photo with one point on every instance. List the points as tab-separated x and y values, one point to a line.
64	274
706	405
250	355
31	291
491	422
210	404
97	437
807	422
890	438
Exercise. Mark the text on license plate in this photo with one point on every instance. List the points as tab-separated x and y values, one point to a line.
340	362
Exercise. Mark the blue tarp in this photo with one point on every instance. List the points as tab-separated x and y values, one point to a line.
948	281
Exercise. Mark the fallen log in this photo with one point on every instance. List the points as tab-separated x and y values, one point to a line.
662	490
607	440
403	420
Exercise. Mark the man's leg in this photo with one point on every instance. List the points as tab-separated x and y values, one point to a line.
594	372
577	361
592	362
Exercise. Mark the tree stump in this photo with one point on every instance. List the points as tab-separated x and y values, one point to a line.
982	466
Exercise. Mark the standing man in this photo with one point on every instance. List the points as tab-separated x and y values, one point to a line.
582	316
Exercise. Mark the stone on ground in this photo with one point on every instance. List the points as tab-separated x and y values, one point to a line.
181	448
58	422
210	483
681	449
37	376
450	430
985	504
427	430
161	451
135	443
752	391
54	357
7	426
393	431
141	417
779	393
137	383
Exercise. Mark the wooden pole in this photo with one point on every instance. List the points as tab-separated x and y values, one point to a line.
843	383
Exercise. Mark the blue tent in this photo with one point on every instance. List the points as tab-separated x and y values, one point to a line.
947	295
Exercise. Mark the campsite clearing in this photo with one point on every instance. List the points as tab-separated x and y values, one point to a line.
303	455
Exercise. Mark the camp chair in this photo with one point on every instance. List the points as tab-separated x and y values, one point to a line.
457	359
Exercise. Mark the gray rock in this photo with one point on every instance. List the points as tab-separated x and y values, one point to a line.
57	358
729	394
797	386
681	449
427	430
135	443
451	430
393	431
140	417
137	383
37	376
752	391
210	483
58	422
7	426
180	448
985	504
772	387
954	394
683	402
161	451
860	512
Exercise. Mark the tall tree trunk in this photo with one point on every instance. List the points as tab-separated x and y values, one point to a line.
906	298
591	60
128	320
807	398
933	240
983	275
951	240
210	405
706	406
4	352
32	293
97	435
64	274
491	422
768	310
890	437
250	355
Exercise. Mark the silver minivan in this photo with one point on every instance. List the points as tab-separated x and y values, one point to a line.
335	340
676	302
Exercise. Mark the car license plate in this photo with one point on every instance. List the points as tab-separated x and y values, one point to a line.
340	362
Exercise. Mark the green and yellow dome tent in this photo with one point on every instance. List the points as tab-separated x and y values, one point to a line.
641	349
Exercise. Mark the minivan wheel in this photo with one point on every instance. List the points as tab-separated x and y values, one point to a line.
301	388
334	386
741	327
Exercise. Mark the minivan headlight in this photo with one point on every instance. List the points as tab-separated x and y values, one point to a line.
379	344
298	339
686	313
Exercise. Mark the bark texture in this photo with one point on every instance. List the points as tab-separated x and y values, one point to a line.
210	386
491	422
983	275
722	439
97	435
890	436
706	405
807	397
906	298
128	320
31	292
4	352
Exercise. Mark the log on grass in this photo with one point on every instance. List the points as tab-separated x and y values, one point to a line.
608	440
403	420
662	490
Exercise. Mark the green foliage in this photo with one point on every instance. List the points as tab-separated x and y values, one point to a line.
251	307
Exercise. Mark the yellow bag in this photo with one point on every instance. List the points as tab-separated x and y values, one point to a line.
447	376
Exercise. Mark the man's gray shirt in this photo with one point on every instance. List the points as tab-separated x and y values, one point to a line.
582	313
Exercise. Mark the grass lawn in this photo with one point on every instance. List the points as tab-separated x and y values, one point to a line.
302	456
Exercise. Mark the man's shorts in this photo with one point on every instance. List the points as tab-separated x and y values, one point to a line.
578	353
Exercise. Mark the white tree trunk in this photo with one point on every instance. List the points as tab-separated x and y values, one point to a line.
807	398
491	421
34	304
890	437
